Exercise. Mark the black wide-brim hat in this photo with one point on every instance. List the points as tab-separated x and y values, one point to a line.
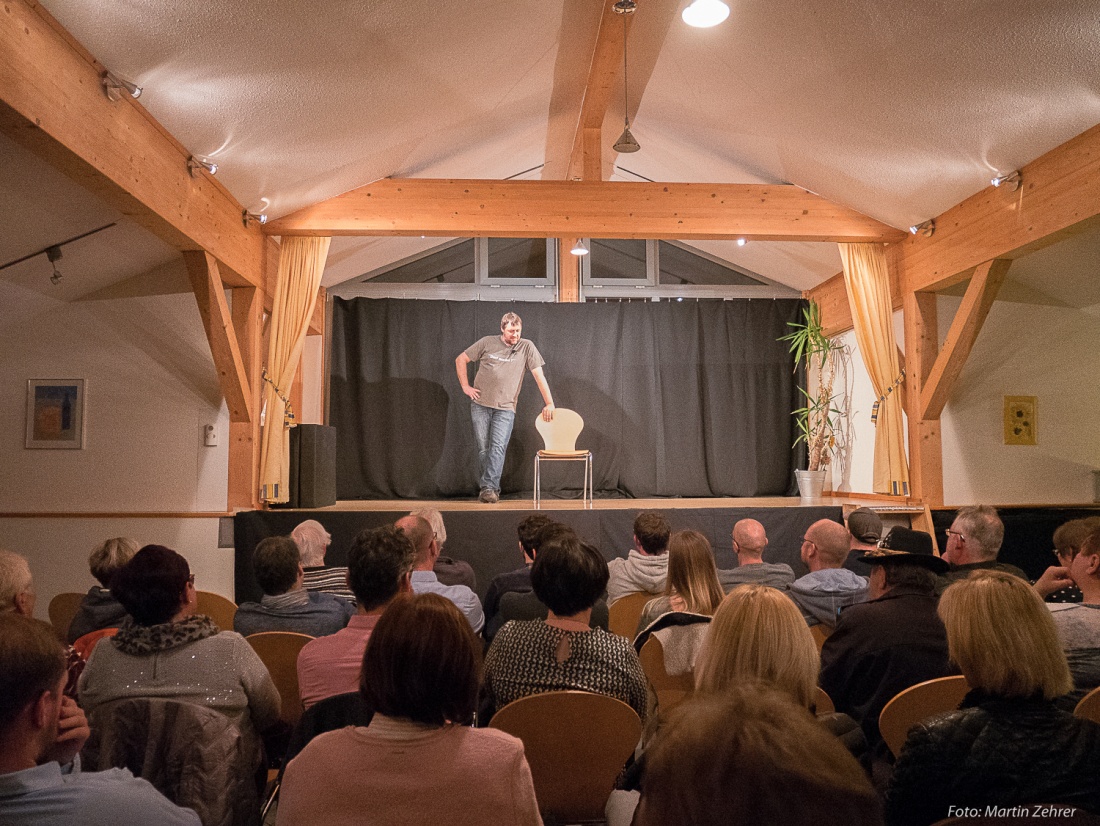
906	546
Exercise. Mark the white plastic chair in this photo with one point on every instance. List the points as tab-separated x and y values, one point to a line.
559	438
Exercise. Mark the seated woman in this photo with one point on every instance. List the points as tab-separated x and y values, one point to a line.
692	585
166	650
1008	744
418	761
98	609
564	651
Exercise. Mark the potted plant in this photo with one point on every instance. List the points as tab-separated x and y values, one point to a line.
818	419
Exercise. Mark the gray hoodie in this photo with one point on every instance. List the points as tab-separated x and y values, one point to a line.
821	594
637	572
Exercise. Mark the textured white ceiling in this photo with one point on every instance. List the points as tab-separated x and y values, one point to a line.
899	110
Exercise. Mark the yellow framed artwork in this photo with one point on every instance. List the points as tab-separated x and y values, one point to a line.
1021	422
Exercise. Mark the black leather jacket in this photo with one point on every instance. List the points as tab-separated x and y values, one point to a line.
995	752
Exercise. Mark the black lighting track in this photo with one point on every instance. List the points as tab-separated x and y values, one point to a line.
58	244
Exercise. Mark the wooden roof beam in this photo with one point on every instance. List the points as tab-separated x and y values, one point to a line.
588	209
53	103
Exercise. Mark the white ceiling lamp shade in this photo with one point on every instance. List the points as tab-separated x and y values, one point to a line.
580	248
703	14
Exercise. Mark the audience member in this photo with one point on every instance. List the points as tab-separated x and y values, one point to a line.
520	579
1078	624
447	570
770	764
865	530
379	568
1067	542
41	734
424	580
418	761
828	587
98	609
17	594
692	584
892	642
973	542
563	652
165	649
313	540
646	564
1008	744
286	605
749	541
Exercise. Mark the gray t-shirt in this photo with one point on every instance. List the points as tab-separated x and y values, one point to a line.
500	369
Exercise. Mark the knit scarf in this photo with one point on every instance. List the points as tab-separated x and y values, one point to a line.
140	640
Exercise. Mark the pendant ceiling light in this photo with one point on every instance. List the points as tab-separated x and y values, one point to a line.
702	14
626	142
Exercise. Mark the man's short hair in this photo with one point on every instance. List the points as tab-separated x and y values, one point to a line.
435	519
510	318
528	532
1090	545
1070	537
32	660
982	526
151	586
913	577
378	561
653	531
832	540
15	579
568	575
865	525
110	556
275	562
420	533
312	540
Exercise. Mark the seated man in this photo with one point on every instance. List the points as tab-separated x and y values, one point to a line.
518	580
749	541
646	565
973	542
448	570
99	609
379	568
286	605
313	540
1079	623
828	587
424	580
41	734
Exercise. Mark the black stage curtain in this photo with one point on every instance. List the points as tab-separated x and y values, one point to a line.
689	399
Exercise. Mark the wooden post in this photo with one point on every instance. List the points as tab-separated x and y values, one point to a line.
244	437
569	272
925	448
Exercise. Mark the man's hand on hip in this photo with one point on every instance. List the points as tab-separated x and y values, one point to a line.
472	392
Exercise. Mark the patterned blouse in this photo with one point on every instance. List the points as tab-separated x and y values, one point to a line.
523	659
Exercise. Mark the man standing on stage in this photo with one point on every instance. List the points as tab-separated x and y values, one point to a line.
501	362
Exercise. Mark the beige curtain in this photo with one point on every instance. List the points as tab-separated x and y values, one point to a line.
301	262
869	297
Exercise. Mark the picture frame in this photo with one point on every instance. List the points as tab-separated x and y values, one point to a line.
1021	420
55	414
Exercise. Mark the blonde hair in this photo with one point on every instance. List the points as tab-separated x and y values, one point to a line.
108	557
15	579
1003	638
312	540
691	573
758	634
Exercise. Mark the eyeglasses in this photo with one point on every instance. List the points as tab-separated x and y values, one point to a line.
1070	552
955	533
191	580
809	541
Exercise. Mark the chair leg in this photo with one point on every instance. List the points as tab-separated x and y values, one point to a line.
537	481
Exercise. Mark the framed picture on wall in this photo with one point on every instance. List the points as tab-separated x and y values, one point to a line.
55	414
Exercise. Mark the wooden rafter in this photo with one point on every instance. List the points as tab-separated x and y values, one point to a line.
218	323
590	209
925	445
244	437
966	325
52	102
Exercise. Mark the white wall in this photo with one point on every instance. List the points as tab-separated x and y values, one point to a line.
150	389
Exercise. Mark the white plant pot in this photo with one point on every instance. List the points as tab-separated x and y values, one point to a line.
811	483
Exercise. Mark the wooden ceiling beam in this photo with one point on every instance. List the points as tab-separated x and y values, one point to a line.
589	209
53	103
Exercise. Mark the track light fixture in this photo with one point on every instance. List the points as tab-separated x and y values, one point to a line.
741	242
194	164
116	86
925	228
580	248
1011	181
53	255
702	14
626	141
248	217
625	7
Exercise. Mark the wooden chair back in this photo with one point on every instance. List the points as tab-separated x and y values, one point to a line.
560	434
279	651
671	689
824	702
917	703
576	744
820	633
218	608
623	614
63	608
1088	707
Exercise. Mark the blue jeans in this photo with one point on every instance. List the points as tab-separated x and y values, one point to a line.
492	430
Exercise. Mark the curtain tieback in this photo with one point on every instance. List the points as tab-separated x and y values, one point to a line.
883	397
288	411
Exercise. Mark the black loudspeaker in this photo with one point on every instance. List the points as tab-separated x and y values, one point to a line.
312	466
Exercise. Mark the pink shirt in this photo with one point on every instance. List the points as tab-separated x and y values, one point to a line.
330	665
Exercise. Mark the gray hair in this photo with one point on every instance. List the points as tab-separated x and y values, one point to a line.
982	527
107	558
435	519
312	540
15	579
